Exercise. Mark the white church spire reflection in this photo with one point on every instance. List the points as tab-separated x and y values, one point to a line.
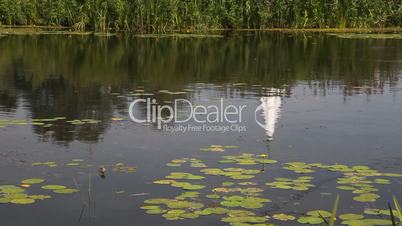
270	110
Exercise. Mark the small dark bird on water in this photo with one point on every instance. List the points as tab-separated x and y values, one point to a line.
102	172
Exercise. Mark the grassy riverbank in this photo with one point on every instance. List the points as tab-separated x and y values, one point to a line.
38	30
167	15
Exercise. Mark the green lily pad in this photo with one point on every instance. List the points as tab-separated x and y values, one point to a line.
53	187
16	196
283	217
33	181
40	197
156	211
368	197
189	194
347	188
368	222
22	201
351	216
66	191
310	220
177	204
319	213
150	207
213	196
189	215
156	201
4	200
187	176
11	189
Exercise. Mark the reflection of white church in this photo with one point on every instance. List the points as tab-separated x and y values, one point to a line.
271	110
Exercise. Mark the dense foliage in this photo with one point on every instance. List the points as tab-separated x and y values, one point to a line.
160	15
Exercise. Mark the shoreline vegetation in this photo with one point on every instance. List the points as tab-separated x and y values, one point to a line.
158	16
60	30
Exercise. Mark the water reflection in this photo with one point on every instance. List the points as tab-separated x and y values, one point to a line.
271	110
87	77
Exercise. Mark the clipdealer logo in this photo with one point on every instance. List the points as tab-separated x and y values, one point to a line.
214	117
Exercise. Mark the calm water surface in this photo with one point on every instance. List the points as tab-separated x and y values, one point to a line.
332	100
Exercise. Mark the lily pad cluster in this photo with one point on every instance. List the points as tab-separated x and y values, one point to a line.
60	189
360	180
196	163
11	194
48	164
240	201
79	163
186	176
244	217
299	167
184	207
233	173
173	209
121	167
248	159
178	184
217	148
249	191
298	184
314	217
283	217
244	202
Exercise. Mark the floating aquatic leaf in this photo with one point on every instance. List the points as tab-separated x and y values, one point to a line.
245	202
351	216
179	204
173	164
4	200
156	201
299	184
283	217
382	181
189	215
16	196
11	189
214	148
213	196
368	222
227	184
187	186
150	207
48	164
187	176
65	191
54	187
310	220
349	188
367	197
40	197
319	213
121	167
22	201
33	181
189	194
209	211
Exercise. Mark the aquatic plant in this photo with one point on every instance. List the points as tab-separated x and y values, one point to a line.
104	15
